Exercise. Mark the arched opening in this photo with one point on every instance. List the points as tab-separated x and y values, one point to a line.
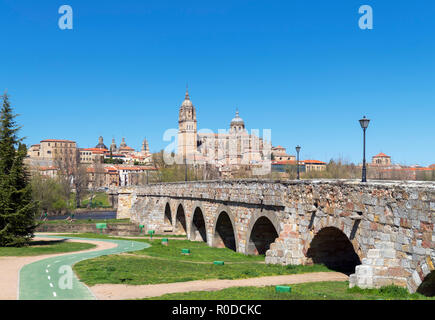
427	287
332	248
263	234
168	215
180	221
224	233
198	231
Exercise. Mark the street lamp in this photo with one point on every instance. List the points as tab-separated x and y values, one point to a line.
298	148
364	122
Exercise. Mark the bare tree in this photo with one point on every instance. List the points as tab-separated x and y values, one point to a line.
72	174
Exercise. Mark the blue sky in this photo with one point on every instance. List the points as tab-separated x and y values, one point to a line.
301	68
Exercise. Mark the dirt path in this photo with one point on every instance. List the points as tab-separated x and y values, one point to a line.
121	291
10	266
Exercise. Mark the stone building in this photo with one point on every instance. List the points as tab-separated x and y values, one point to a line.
228	148
50	151
279	154
381	159
92	155
314	165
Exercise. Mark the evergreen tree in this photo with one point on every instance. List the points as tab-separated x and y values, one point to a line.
17	207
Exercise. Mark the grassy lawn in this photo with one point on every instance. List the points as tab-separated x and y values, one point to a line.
127	269
136	268
101	199
200	251
304	291
45	247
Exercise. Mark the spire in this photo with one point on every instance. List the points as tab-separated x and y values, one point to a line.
187	93
237	112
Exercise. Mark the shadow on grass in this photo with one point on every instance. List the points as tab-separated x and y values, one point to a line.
42	243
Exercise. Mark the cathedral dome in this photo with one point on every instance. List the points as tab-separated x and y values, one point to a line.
100	144
237	121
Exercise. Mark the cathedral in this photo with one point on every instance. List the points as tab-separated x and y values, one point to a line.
232	147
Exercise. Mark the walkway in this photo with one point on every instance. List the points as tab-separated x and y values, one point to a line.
121	291
45	279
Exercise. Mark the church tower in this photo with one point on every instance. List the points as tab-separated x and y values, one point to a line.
187	130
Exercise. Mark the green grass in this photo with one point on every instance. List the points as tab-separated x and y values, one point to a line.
45	247
305	291
101	199
137	270
200	251
83	221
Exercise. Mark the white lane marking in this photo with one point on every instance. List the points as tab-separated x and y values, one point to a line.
49	277
54	294
48	266
51	285
56	261
46	270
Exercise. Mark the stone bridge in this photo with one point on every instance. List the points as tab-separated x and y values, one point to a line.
378	232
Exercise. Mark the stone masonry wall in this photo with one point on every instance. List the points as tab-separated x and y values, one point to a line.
389	224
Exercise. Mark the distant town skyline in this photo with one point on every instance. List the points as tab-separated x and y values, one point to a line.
304	70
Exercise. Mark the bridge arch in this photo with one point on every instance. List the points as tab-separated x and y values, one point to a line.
224	230
331	247
168	214
423	278
180	226
198	225
263	230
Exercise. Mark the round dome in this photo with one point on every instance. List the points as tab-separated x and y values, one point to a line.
100	144
237	120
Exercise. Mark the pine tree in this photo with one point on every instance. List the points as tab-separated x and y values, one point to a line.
17	207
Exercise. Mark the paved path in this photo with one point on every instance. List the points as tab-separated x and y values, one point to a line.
122	291
40	280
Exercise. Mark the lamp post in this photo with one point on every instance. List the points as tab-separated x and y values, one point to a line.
298	148
364	122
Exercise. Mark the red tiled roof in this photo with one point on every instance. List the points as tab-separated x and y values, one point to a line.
313	162
381	155
46	168
95	149
134	168
285	162
126	148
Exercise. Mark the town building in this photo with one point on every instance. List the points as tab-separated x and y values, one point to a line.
279	154
381	159
314	165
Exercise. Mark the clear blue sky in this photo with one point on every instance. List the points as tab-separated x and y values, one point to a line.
302	68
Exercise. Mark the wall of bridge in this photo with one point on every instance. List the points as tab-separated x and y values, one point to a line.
378	232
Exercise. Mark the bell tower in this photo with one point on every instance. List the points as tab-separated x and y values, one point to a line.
187	128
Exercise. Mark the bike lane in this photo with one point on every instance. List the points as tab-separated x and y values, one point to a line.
53	279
